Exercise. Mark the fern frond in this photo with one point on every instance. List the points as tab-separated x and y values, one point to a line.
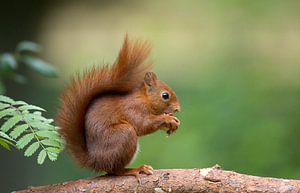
30	107
3	105
6	99
31	149
52	156
26	139
19	103
5	143
52	143
41	157
29	128
18	130
5	140
11	122
6	112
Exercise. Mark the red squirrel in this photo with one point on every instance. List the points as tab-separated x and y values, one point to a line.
105	110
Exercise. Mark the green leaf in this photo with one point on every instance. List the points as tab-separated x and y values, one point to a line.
49	134
11	122
5	140
3	105
41	157
18	78
37	113
28	46
25	112
6	99
53	149
41	126
9	142
31	107
6	112
31	149
18	130
5	136
49	142
49	121
52	156
20	103
4	144
8	61
40	66
25	140
34	119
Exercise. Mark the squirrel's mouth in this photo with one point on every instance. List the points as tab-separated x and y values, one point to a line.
172	111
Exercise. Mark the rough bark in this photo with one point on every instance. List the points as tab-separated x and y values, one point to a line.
176	180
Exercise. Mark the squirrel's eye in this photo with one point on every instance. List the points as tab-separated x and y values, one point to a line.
165	95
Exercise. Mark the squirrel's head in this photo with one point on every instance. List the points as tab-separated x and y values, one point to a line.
161	97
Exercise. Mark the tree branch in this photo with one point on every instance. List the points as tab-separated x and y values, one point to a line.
210	180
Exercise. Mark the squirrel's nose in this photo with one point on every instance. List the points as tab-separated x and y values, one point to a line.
176	108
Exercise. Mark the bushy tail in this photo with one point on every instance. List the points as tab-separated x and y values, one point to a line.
125	75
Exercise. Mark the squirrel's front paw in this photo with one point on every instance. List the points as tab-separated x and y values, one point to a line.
170	124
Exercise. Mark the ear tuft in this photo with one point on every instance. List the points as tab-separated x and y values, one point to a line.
150	78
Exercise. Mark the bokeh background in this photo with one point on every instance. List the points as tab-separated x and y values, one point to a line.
234	65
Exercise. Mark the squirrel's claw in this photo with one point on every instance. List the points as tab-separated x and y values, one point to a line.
170	124
145	169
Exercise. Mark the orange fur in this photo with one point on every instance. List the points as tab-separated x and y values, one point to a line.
124	76
104	111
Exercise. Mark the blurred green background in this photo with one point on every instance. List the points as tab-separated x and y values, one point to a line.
234	65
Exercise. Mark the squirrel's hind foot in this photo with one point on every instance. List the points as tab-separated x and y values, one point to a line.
143	169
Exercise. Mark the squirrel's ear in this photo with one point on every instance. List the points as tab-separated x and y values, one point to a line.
150	79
